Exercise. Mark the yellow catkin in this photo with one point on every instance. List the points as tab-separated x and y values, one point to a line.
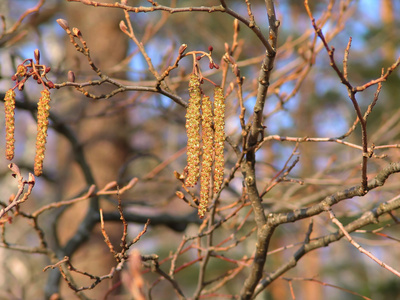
42	126
193	131
9	108
219	125
207	158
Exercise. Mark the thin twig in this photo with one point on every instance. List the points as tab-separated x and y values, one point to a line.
358	246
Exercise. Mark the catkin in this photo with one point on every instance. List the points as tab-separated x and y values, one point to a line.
193	131
42	126
9	108
207	158
219	125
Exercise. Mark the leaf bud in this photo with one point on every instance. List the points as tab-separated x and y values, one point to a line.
76	32
210	48
37	55
63	23
50	84
71	76
177	175
180	194
122	26
182	48
236	25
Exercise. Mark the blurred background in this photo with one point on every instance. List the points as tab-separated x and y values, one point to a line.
131	133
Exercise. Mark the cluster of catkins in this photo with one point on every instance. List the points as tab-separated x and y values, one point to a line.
200	115
42	126
29	69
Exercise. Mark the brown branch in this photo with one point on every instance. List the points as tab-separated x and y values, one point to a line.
358	246
380	79
21	185
105	235
369	217
335	198
264	229
140	234
96	279
351	94
307	139
155	267
326	284
20	19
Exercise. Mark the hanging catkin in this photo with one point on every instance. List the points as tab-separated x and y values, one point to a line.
9	108
219	125
207	157
193	131
42	126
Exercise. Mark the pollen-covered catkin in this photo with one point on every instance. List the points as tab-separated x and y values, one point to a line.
42	126
193	131
9	108
207	158
219	125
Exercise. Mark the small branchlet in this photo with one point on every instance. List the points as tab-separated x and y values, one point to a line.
77	40
198	55
32	68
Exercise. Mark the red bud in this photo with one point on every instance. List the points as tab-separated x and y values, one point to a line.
122	26
76	32
71	76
